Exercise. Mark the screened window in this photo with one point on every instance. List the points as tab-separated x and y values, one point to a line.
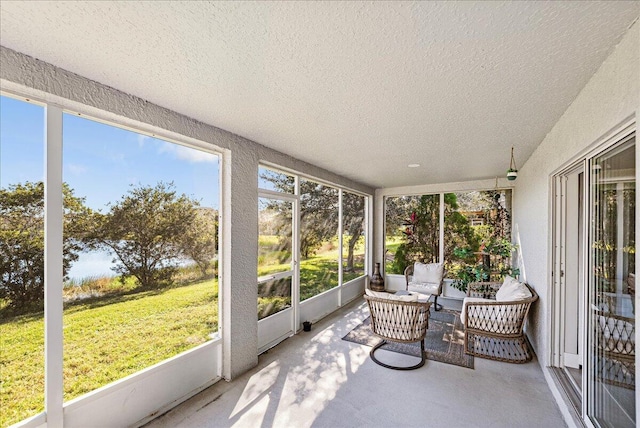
412	231
269	179
141	282
476	229
21	260
319	247
477	236
353	236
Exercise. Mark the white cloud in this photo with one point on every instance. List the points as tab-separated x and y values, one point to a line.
75	169
187	154
143	139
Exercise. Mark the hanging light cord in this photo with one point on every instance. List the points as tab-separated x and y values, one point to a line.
512	166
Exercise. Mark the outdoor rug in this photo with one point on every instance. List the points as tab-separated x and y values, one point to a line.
444	341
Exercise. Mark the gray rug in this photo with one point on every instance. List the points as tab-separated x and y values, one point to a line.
444	341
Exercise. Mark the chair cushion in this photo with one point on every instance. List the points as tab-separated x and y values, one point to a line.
390	296
428	273
423	287
512	290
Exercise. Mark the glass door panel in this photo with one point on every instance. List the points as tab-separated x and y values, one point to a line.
275	262
611	346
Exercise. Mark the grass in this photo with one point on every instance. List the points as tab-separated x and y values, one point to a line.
104	340
112	330
318	273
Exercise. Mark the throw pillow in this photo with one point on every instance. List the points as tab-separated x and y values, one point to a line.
428	272
511	290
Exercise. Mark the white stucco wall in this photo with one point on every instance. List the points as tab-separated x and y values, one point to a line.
30	77
610	97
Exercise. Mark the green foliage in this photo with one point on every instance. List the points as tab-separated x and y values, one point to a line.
147	231
200	241
318	215
22	240
422	230
493	266
104	340
400	260
465	246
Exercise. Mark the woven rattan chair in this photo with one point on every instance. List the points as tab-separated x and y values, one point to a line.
434	291
495	330
615	338
398	321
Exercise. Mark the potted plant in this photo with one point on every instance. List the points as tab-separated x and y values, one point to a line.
483	270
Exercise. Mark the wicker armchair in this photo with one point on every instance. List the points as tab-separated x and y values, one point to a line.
494	329
398	321
616	341
435	290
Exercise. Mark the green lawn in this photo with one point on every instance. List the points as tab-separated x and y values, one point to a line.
107	338
317	275
104	340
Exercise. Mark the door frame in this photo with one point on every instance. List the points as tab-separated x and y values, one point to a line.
560	233
284	322
615	136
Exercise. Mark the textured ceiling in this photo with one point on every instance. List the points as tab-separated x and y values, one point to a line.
360	88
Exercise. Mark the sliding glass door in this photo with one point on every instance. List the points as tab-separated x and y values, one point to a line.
611	310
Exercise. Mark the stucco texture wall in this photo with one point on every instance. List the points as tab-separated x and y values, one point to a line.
611	96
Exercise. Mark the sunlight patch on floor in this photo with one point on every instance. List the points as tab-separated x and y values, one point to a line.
259	385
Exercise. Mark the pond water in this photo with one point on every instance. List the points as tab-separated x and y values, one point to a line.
92	264
98	264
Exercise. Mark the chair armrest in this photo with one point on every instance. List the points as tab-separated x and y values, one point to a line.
407	273
484	290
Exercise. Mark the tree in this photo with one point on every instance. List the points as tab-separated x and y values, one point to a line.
319	214
146	231
22	239
200	241
353	223
422	229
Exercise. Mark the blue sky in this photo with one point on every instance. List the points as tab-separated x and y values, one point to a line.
100	161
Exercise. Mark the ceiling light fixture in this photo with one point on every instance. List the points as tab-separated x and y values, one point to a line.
512	173
413	165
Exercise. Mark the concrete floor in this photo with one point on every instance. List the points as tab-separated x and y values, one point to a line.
315	379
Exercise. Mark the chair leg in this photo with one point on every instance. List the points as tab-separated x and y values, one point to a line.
436	306
423	357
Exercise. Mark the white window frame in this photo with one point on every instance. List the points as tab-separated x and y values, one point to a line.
97	404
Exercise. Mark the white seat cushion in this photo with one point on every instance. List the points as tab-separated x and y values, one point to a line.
423	287
512	290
